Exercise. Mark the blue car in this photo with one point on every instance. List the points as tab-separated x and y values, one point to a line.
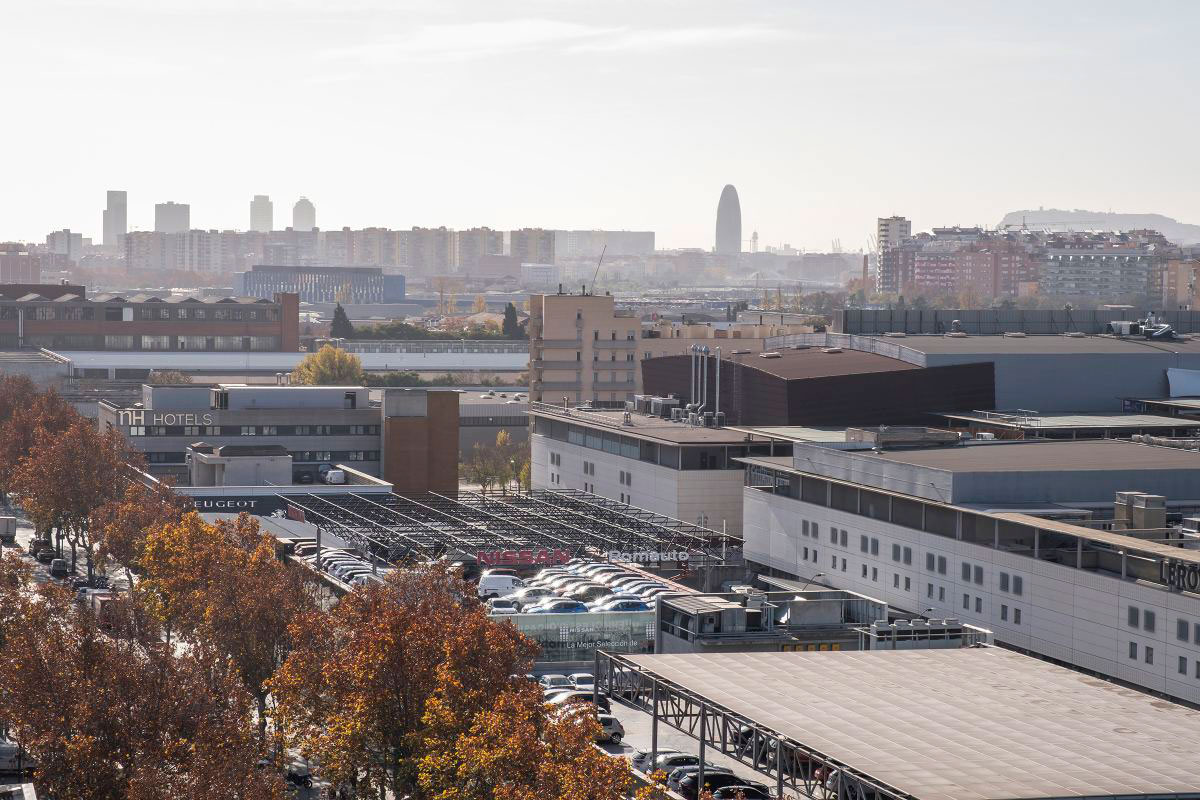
621	605
559	607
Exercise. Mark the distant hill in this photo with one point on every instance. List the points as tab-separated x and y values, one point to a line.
1055	219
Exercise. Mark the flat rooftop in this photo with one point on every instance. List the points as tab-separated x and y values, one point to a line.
970	724
1036	455
1045	344
643	426
1018	420
238	361
798	433
814	362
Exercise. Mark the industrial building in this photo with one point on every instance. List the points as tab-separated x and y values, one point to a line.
1062	548
686	472
347	285
974	723
64	317
410	438
822	386
1021	424
1049	373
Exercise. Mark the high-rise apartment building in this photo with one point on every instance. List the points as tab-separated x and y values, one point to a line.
729	223
426	250
262	214
471	246
172	217
116	220
66	243
304	215
532	246
18	265
589	244
891	231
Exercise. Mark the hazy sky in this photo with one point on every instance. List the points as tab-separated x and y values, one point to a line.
596	113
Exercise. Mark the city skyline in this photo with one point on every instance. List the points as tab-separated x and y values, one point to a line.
830	117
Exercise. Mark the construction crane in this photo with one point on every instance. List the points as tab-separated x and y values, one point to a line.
596	274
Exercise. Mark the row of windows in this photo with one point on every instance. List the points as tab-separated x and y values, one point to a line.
626	478
556	461
192	343
298	456
255	430
114	313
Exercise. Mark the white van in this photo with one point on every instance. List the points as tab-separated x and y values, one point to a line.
499	585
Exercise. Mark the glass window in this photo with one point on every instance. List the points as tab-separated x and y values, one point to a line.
813	490
1183	665
908	555
874	504
966	575
979	574
907	584
979	529
929	560
895	580
906	513
942	594
940	520
833	535
967	601
875	573
843	498
192	342
1148	621
804	528
1134	617
227	343
864	566
1149	654
895	552
929	590
941	565
1182	628
816	531
864	544
1004	581
1003	612
874	547
845	537
118	342
156	342
1018	584
978	605
1016	616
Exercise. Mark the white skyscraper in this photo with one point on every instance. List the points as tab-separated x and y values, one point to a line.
262	214
116	220
172	217
304	215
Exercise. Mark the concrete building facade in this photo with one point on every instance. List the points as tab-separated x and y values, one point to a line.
172	217
262	214
1018	537
116	220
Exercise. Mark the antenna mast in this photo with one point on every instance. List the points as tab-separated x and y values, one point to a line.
596	274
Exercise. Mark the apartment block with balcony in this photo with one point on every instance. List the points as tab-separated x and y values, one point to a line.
581	349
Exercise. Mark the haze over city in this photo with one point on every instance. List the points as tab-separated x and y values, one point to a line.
619	115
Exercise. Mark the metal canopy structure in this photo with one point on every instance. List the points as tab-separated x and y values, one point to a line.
430	526
977	723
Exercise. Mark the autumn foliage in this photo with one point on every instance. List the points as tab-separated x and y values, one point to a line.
218	653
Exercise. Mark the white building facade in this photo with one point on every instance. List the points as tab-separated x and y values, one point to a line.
1088	598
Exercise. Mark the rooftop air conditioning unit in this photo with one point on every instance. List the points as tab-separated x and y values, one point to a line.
985	436
956	335
1014	334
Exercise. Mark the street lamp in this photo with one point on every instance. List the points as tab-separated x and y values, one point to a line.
810	580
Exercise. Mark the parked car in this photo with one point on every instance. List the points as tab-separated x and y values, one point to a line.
612	598
679	773
502	603
689	787
641	758
589	592
500	571
530	594
628	580
583	680
611	729
38	544
46	555
59	568
498	585
555	681
562	698
559	606
671	761
620	605
746	791
610	578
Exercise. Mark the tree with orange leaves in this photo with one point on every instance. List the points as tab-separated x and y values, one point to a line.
68	475
222	585
26	417
125	522
522	749
110	716
355	690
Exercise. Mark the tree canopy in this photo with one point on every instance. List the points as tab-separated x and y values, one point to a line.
341	328
329	366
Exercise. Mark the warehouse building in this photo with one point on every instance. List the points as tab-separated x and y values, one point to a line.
1063	373
1062	548
818	386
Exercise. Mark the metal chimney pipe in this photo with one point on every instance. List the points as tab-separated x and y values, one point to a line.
703	381
692	376
717	402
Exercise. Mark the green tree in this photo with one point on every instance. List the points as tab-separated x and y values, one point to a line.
511	327
329	366
341	327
